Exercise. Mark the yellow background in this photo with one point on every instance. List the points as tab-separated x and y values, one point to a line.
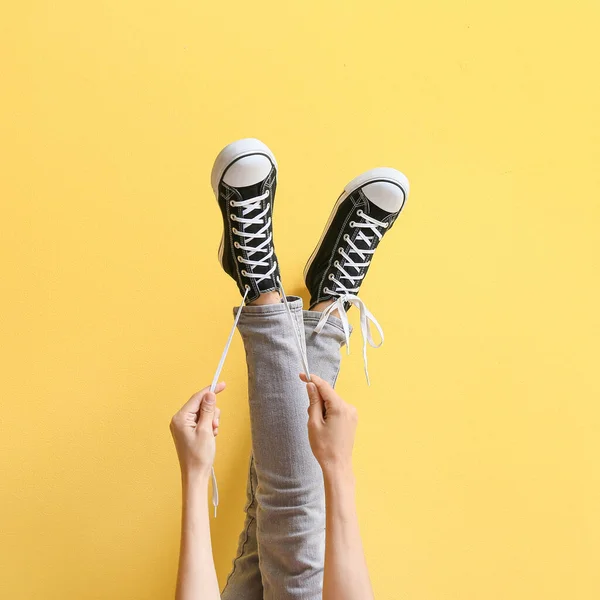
478	447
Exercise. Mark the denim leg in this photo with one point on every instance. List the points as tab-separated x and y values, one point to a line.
285	522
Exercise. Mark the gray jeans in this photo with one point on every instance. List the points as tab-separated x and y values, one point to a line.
281	548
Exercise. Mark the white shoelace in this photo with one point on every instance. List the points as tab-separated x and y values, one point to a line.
365	319
265	247
346	292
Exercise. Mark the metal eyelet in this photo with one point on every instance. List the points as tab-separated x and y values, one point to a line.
232	217
327	290
352	224
236	245
330	277
239	259
232	203
346	237
336	263
244	273
360	213
234	230
340	250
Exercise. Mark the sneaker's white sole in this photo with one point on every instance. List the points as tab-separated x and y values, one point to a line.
378	174
230	154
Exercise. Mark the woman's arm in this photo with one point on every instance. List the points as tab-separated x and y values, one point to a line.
196	576
194	429
331	429
346	575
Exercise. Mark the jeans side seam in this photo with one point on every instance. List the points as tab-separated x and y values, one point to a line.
247	529
336	375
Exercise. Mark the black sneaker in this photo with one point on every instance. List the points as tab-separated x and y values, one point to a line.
364	212
244	179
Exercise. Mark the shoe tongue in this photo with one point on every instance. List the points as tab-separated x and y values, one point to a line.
374	211
250	191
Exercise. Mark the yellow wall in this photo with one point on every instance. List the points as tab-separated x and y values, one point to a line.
478	451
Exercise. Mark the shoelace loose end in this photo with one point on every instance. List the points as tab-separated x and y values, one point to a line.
213	386
366	318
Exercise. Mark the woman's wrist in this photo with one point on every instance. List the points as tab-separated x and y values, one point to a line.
339	493
339	473
192	477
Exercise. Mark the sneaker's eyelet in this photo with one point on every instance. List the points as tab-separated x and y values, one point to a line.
246	287
327	290
353	224
239	259
339	250
244	273
236	245
346	237
235	231
231	203
330	277
232	217
336	263
360	213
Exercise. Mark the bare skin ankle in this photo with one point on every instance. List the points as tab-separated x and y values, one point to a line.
266	298
321	306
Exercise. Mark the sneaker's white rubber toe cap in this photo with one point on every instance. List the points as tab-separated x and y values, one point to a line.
387	196
248	171
385	187
233	164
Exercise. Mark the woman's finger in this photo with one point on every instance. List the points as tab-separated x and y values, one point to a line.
193	404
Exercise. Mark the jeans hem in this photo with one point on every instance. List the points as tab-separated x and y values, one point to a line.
261	310
314	316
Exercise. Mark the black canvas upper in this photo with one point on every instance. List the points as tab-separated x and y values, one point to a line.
230	261
318	278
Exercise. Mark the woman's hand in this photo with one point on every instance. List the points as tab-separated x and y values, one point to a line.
194	428
331	425
331	428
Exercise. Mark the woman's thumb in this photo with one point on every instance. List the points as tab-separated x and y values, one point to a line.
207	410
315	408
